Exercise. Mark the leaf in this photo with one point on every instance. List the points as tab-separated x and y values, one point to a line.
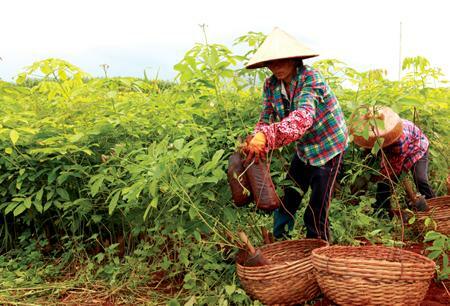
432	235
99	257
213	58
8	150
27	202
10	207
434	248
183	257
21	78
111	94
196	156
412	220
445	261
63	194
75	137
28	130
439	243
375	148
192	213
166	263
365	133
52	176
178	144
19	209
230	215
377	145
52	94
191	302
14	136
173	302
62	178
175	207
197	236
435	254
38	200
47	206
218	174
45	68
379	124
95	187
153	188
410	101
62	74
229	289
153	204
217	156
375	232
209	195
113	203
96	218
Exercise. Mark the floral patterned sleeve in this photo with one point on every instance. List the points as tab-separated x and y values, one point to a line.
288	130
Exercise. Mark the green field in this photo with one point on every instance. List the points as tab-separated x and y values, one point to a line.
114	190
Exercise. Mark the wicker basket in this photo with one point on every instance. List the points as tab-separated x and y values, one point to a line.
288	279
439	211
372	275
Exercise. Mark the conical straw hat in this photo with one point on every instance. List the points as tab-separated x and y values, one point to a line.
392	130
279	45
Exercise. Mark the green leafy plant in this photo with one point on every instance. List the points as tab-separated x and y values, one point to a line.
117	186
439	252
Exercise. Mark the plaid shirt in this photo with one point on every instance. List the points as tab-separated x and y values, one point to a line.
409	148
313	118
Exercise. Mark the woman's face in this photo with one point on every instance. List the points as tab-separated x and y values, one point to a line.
283	69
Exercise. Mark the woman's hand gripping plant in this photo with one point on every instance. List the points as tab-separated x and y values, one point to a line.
255	148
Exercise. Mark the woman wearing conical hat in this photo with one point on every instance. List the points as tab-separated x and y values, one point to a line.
299	106
405	148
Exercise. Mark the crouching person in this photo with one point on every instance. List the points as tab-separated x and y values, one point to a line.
404	148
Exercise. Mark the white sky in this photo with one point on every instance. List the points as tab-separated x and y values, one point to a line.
134	35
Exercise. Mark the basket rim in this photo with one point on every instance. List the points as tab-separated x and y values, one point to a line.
438	200
435	213
293	241
289	262
439	211
318	253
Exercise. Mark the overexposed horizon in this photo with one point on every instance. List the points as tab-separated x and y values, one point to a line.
154	35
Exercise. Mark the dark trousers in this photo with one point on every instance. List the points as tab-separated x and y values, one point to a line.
321	180
420	176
